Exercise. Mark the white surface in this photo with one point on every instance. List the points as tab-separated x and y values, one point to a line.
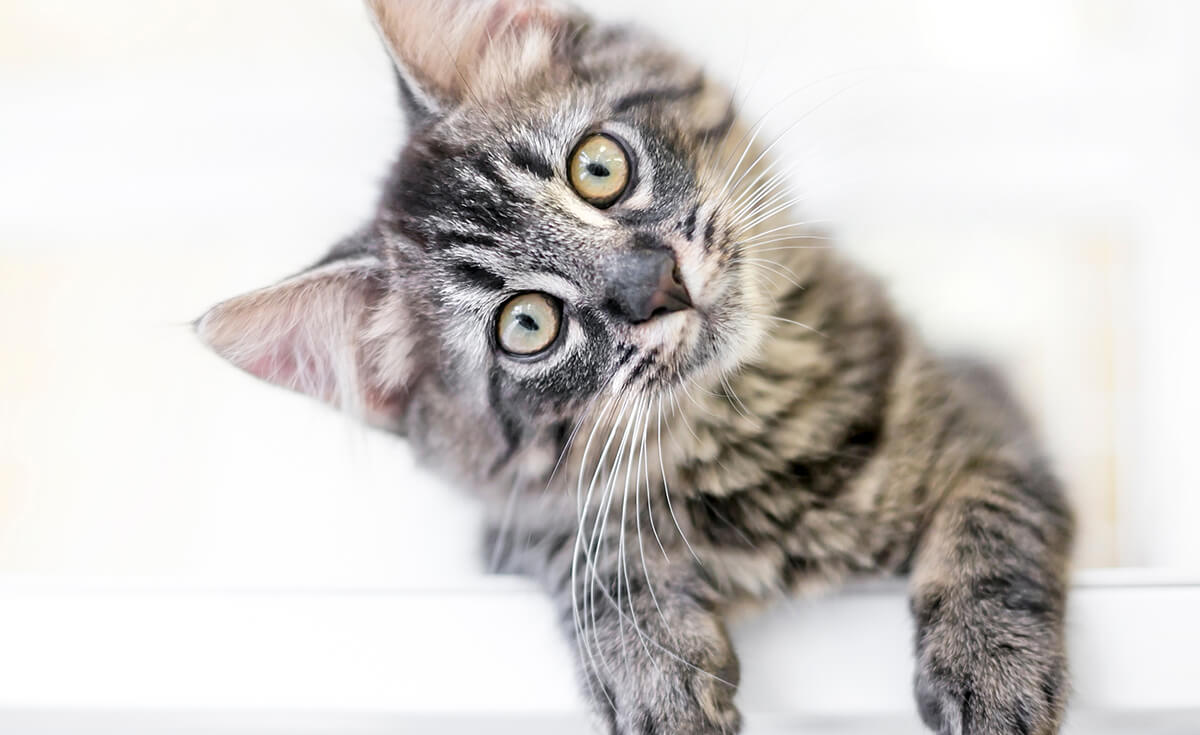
89	722
250	661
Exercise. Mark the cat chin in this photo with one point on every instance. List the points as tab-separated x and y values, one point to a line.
668	333
731	338
694	348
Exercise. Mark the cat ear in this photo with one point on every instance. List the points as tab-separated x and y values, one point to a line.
313	333
447	51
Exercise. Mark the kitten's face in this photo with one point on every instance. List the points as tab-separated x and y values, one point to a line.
563	225
628	279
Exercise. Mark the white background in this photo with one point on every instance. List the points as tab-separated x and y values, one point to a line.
1022	173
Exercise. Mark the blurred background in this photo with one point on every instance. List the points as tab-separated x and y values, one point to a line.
1023	175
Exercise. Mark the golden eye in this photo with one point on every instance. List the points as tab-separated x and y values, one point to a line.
599	170
528	323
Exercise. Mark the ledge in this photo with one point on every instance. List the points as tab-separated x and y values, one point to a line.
102	657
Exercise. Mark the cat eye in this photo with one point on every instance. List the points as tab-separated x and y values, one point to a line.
528	324
599	170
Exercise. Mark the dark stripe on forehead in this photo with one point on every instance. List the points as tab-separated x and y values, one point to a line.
448	238
478	276
486	166
530	160
436	182
659	95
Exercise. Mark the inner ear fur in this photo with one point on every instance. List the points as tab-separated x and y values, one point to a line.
319	333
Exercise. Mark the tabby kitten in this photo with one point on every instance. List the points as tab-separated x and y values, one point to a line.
574	300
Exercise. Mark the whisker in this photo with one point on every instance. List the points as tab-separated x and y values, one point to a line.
765	115
667	490
790	225
623	561
794	124
769	266
757	218
649	509
761	247
683	417
580	615
792	321
754	192
600	526
575	430
644	468
733	396
692	383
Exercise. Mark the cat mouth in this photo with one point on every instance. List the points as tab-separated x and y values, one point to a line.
684	342
670	343
667	329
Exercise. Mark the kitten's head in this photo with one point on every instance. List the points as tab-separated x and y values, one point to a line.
564	224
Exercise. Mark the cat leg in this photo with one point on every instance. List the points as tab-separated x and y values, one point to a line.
655	655
651	647
988	592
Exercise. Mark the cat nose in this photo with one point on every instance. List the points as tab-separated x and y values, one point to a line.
645	283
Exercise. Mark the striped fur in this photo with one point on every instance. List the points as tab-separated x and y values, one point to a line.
788	433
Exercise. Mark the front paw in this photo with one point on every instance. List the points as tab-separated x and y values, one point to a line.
1004	692
668	697
682	685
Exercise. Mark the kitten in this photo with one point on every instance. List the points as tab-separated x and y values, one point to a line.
583	296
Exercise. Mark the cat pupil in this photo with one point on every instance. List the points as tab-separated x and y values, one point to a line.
527	322
598	169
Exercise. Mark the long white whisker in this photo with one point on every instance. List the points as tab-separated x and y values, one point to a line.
629	469
599	527
649	509
795	123
682	417
620	566
644	470
583	417
758	218
769	267
798	324
688	394
667	491
766	181
761	246
753	130
580	613
754	191
765	233
735	400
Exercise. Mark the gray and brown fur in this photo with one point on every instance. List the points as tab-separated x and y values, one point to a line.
787	433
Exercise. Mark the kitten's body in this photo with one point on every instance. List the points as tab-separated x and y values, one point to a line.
788	431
